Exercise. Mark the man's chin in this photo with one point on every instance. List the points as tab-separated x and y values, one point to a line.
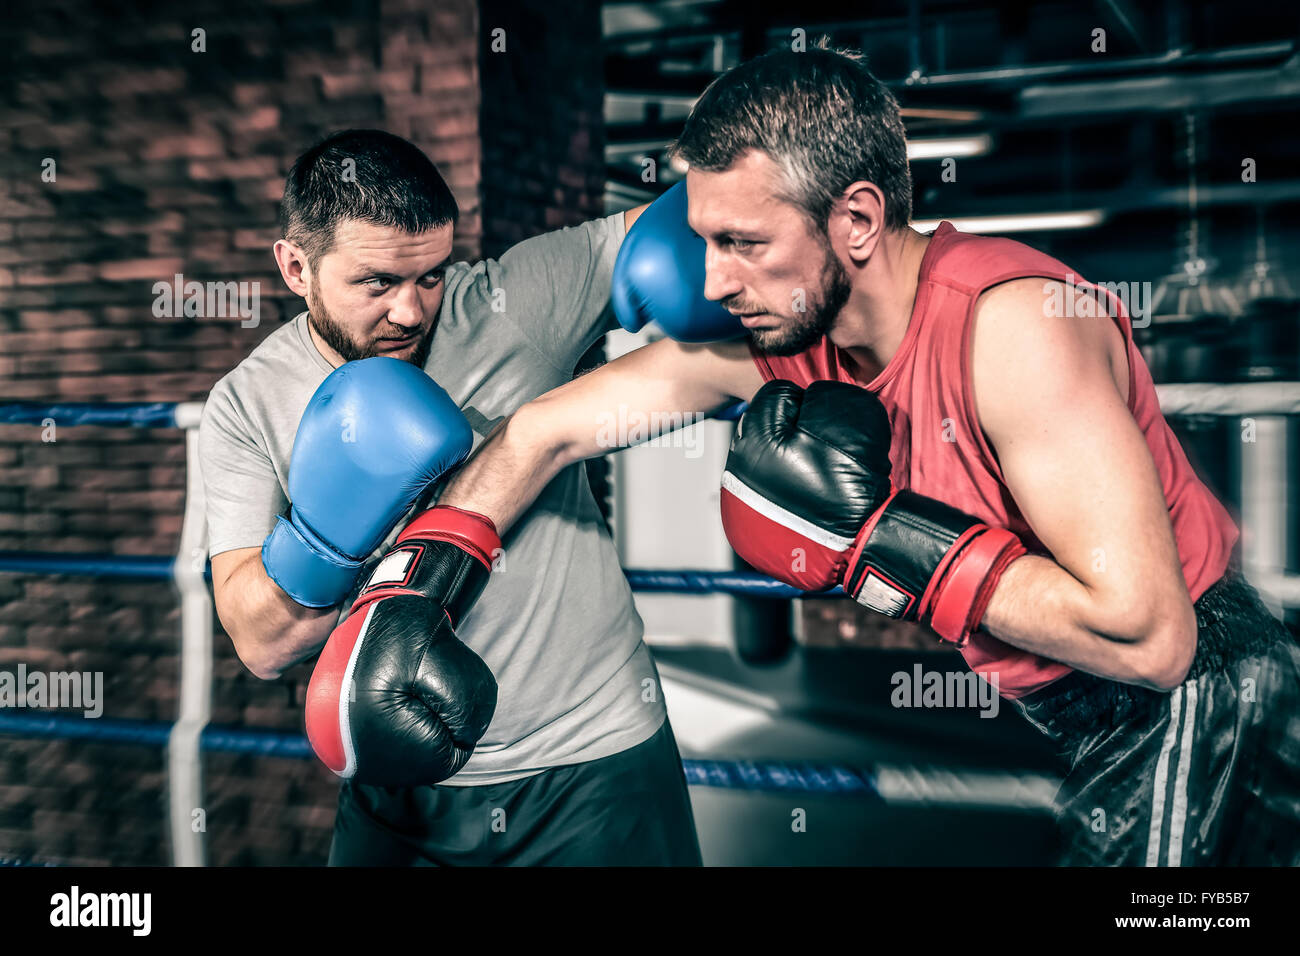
780	342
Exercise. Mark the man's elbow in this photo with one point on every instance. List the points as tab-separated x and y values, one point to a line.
260	665
261	661
267	671
1165	656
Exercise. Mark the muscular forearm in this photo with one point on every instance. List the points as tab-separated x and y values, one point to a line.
270	631
664	385
1041	608
509	470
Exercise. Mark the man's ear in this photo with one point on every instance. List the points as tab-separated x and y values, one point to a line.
293	266
863	206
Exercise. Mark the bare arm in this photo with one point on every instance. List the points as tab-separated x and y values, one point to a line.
665	384
630	216
270	631
1114	601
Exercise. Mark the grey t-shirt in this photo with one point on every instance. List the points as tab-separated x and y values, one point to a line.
556	622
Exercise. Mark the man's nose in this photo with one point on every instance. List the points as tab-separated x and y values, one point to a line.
406	309
719	282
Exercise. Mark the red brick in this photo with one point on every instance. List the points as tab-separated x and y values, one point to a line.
99	479
255	238
45	476
254	167
336	86
35	523
250	94
304	65
20	390
161	499
183	146
61	275
167	197
35	612
65	451
74	180
261	118
55	318
397	80
55	362
166	387
137	81
67	589
436	78
53	229
156	270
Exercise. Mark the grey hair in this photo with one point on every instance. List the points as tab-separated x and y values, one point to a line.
820	115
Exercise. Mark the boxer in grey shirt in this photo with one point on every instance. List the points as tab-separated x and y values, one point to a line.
580	730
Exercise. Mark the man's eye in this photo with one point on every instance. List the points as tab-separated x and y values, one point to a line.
432	279
377	284
741	245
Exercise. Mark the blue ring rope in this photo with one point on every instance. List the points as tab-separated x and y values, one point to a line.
141	567
724	774
111	414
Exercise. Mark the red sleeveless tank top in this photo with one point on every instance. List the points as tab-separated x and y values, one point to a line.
928	381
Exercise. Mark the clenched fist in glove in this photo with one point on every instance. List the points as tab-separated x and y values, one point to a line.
807	498
379	425
396	699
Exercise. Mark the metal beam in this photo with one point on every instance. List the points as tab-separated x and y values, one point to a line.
1128	200
1162	93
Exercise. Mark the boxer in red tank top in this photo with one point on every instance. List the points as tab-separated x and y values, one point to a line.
1013	408
940	448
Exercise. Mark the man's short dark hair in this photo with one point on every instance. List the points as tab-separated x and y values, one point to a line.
820	115
367	175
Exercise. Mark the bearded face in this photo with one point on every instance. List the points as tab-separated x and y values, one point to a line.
377	291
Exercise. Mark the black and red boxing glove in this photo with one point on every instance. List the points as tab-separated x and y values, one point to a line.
396	699
807	498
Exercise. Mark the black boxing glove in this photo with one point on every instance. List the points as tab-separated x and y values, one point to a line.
807	498
396	699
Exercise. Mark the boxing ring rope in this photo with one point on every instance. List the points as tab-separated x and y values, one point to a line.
893	784
186	738
188	570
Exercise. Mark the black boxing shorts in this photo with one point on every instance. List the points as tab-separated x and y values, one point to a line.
1207	774
627	809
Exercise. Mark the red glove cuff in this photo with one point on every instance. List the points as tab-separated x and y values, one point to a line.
959	601
468	530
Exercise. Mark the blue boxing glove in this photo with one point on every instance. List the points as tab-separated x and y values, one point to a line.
659	277
373	437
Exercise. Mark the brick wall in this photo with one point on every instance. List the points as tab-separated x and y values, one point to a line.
543	134
542	118
170	160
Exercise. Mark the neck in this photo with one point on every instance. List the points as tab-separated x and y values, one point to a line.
873	322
